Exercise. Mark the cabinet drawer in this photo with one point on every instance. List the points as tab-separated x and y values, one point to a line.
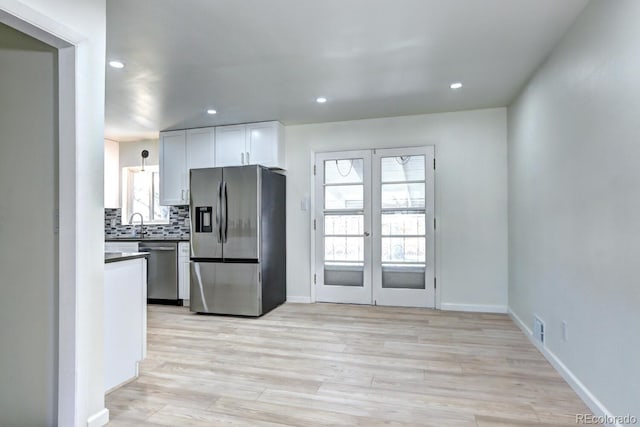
121	246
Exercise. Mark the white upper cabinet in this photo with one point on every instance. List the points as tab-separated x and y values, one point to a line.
173	164
237	145
265	145
250	144
230	145
181	151
200	148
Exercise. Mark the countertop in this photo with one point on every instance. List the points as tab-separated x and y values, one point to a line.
147	239
123	256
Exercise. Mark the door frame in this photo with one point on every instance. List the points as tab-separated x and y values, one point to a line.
312	217
80	312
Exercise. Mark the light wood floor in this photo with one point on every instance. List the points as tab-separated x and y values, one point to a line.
331	364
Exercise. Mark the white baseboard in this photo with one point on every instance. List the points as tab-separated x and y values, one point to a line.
303	300
476	308
581	390
99	419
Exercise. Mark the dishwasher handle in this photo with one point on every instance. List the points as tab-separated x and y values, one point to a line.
159	248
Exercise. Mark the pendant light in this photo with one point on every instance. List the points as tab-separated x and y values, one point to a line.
144	155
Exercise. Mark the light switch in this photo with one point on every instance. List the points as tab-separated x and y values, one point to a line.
304	203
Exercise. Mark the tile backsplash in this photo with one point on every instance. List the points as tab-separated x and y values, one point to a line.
178	226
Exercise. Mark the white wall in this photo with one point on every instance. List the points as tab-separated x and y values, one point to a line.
82	23
129	154
574	202
111	174
28	197
471	197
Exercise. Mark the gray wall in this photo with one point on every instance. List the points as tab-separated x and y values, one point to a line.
471	197
574	202
28	246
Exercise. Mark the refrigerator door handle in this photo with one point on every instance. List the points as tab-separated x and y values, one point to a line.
226	213
219	214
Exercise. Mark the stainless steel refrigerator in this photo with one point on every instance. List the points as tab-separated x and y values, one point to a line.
238	239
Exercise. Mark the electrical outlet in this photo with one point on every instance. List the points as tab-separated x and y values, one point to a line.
113	222
565	331
538	329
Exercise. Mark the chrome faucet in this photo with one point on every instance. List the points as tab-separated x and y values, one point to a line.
142	232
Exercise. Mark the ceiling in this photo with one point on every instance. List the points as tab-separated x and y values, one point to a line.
256	60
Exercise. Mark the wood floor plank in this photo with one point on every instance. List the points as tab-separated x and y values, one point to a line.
336	364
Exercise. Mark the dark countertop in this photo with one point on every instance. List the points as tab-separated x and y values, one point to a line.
123	256
147	239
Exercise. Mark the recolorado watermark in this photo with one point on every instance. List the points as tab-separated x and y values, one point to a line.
606	419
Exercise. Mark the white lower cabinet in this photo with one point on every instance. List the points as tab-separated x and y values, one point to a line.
125	320
183	271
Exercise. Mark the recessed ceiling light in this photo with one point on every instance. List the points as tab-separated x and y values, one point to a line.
116	64
456	85
211	112
321	100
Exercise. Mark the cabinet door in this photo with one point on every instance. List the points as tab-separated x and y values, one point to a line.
183	278
173	168
183	270
264	144
230	145
200	148
200	151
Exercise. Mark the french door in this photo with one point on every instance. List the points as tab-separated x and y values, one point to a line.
374	225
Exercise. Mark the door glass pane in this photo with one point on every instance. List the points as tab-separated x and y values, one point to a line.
141	187
404	168
343	171
343	250
406	277
402	195
344	197
403	250
344	224
403	223
343	275
160	213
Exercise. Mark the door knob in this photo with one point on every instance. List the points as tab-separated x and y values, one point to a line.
367	234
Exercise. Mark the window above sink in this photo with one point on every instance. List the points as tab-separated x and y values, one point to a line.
141	193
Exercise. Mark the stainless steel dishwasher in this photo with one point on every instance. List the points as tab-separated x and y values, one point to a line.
162	272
